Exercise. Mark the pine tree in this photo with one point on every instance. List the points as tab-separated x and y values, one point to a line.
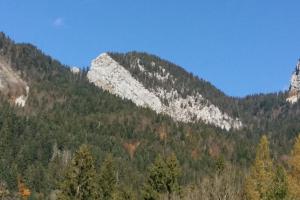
258	183
173	173
294	175
80	180
163	178
124	193
108	179
279	187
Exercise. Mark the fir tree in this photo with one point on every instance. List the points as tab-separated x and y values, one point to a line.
163	178
80	180
294	176
173	173
124	193
279	187
108	179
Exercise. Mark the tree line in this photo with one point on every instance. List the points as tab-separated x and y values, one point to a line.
266	180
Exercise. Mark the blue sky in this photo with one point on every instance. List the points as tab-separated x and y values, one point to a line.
241	46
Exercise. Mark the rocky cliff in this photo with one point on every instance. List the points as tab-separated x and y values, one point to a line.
294	91
11	85
107	73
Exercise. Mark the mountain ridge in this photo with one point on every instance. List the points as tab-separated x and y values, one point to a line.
157	86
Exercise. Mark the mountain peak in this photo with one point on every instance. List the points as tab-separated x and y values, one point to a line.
294	91
298	66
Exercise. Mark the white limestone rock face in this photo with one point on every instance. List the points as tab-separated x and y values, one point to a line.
108	74
21	100
12	86
195	108
294	91
75	70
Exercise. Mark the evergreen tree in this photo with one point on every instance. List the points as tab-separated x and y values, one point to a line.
173	173
163	178
279	188
294	175
80	180
124	193
258	183
108	179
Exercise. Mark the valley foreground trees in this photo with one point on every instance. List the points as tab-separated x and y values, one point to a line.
163	178
83	182
80	180
107	179
259	181
294	176
266	182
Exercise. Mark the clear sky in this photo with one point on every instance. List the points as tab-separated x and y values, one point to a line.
241	46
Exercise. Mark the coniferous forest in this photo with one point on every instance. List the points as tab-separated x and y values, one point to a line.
75	141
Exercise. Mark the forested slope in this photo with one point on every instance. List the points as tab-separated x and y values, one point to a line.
64	110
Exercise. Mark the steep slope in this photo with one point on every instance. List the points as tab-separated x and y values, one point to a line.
155	84
294	91
11	85
64	110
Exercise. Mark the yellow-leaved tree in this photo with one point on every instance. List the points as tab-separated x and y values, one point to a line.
294	175
259	181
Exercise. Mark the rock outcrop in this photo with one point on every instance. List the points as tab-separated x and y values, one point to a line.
75	70
109	75
294	91
12	86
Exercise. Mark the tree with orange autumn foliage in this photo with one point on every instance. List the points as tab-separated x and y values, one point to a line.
23	190
131	148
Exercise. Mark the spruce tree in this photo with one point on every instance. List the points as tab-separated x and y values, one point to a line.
294	175
163	178
108	179
258	183
173	173
279	187
124	193
80	180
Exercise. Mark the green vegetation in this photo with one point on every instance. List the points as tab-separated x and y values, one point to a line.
108	179
262	182
294	176
80	180
163	178
42	142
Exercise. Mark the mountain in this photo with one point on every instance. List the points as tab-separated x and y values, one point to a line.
134	106
160	85
63	110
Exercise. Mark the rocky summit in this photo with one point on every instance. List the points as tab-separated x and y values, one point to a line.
294	91
111	75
